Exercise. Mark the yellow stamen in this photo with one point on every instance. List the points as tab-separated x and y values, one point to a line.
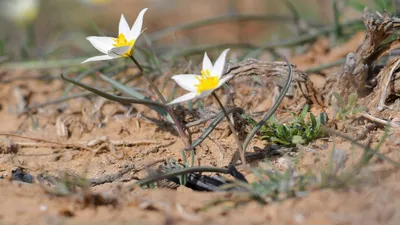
207	82
121	41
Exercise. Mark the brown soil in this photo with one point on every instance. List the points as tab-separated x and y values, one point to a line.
374	200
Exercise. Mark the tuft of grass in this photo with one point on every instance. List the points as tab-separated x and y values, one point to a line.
345	108
298	131
66	184
275	185
69	184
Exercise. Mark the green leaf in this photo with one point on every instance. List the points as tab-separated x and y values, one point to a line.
128	90
352	100
124	100
323	117
213	124
313	121
303	113
132	92
339	99
298	140
82	75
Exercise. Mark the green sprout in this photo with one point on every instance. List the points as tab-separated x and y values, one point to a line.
299	131
274	185
345	108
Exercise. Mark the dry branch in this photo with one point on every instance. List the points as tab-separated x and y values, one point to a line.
113	177
277	72
357	74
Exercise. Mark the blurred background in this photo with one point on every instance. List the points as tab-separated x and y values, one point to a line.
56	29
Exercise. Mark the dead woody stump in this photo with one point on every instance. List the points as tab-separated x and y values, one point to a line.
362	73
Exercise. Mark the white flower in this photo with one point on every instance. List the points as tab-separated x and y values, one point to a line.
20	11
204	84
122	46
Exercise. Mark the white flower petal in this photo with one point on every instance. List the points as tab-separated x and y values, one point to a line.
137	26
124	27
224	80
219	65
205	93
185	97
103	44
186	81
118	51
98	58
207	64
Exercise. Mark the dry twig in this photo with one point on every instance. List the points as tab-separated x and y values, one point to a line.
277	71
52	144
380	121
112	177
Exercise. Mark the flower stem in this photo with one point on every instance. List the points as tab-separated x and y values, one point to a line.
148	79
242	157
178	124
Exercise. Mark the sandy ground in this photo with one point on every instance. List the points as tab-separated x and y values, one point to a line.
374	199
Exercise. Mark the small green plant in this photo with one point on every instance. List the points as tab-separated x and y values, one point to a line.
274	185
345	108
299	131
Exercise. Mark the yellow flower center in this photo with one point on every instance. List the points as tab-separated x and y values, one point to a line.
207	82
121	41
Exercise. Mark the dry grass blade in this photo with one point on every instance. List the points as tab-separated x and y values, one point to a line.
52	143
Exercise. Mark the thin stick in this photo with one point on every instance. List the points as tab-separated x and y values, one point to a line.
378	120
66	145
238	143
112	177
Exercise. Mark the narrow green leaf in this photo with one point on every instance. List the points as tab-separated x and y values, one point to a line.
313	121
124	100
69	87
272	109
304	112
132	92
352	100
213	125
338	98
